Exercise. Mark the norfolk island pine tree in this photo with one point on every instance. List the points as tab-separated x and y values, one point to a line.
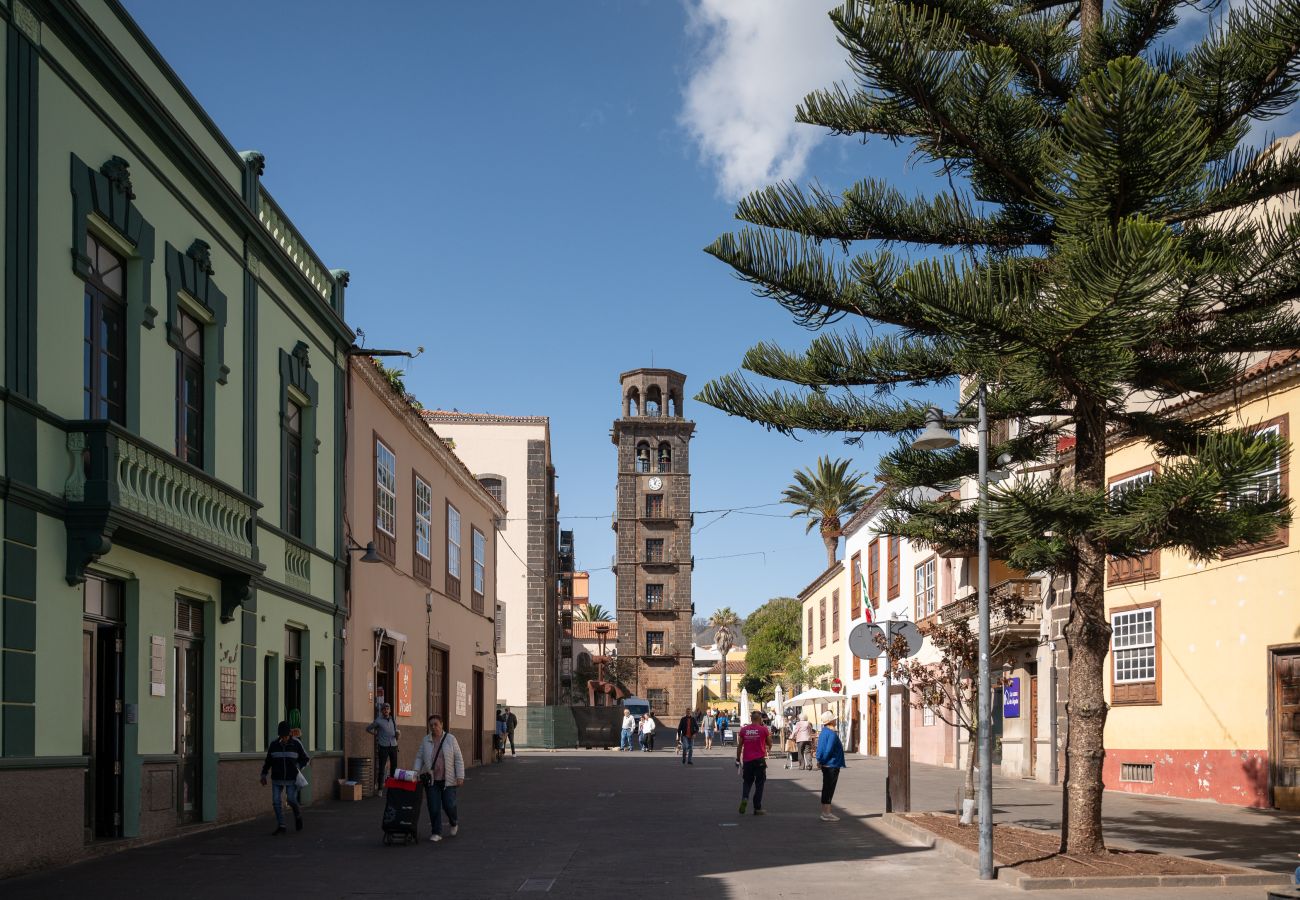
1097	249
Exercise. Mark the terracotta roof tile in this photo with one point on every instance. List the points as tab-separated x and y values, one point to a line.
734	667
586	631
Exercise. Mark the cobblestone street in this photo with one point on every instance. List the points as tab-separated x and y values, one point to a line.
602	824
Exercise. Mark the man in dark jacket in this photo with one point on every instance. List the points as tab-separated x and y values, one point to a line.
686	730
285	758
511	721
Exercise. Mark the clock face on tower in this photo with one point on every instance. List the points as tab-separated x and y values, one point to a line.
655	483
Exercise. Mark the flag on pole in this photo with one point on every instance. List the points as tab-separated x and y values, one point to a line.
866	598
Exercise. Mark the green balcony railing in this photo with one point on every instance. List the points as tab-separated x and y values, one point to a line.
139	486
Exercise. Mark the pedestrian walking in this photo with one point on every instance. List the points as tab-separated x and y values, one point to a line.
686	730
803	740
710	724
751	757
285	760
384	728
512	721
441	767
499	738
648	733
625	736
830	757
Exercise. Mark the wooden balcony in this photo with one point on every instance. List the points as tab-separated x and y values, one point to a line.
1024	630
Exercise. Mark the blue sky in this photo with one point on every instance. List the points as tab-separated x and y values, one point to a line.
525	189
513	186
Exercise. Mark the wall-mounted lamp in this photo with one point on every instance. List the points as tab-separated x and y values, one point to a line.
368	552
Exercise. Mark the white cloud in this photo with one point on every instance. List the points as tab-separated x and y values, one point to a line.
756	60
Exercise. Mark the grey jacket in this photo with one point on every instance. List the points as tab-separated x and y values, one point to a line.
452	762
385	730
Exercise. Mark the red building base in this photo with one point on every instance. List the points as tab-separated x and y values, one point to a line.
1234	777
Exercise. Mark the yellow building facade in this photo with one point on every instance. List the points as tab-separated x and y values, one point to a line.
1204	670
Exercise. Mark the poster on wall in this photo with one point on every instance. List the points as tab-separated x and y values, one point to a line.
229	705
462	699
1011	698
404	689
157	666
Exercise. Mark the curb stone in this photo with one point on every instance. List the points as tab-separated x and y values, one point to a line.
1241	878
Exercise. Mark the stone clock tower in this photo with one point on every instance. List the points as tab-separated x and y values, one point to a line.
653	560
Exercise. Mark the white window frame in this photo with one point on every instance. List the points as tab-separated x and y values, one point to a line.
927	716
1117	489
1267	485
925	588
1133	645
453	541
479	553
423	519
385	489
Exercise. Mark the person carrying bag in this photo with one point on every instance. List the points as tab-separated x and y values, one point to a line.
441	768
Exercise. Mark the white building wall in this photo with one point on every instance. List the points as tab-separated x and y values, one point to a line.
502	450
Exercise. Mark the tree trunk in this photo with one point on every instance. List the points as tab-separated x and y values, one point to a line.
724	675
1087	641
1090	13
972	749
832	542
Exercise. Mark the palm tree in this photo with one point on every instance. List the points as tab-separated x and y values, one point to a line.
825	497
594	612
725	624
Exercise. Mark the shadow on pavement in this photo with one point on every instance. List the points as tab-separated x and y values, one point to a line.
597	824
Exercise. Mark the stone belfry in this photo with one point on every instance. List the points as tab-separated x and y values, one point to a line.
652	519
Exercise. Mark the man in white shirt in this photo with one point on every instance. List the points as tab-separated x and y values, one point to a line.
625	737
648	733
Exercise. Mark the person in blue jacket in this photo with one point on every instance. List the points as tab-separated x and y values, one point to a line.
830	759
285	759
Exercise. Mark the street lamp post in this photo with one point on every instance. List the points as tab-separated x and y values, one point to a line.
936	437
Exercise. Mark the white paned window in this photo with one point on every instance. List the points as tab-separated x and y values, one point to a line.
927	716
480	561
1267	485
385	490
1127	485
1133	640
453	541
925	589
423	518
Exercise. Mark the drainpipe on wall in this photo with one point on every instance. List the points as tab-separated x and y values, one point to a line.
1051	711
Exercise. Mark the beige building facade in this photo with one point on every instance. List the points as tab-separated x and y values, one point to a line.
420	629
511	457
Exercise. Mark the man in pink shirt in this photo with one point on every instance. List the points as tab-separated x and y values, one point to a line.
751	756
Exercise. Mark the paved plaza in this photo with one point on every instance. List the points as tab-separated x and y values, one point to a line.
599	824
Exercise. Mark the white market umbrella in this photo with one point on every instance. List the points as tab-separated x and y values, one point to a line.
779	702
813	696
744	706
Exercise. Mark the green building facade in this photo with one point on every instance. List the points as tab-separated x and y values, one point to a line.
174	352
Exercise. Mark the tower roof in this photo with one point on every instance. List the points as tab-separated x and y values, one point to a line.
670	373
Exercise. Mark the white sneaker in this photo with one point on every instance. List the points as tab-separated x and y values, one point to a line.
435	837
828	817
455	829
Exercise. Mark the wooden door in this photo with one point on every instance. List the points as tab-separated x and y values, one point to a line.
1285	728
1032	706
480	715
873	724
